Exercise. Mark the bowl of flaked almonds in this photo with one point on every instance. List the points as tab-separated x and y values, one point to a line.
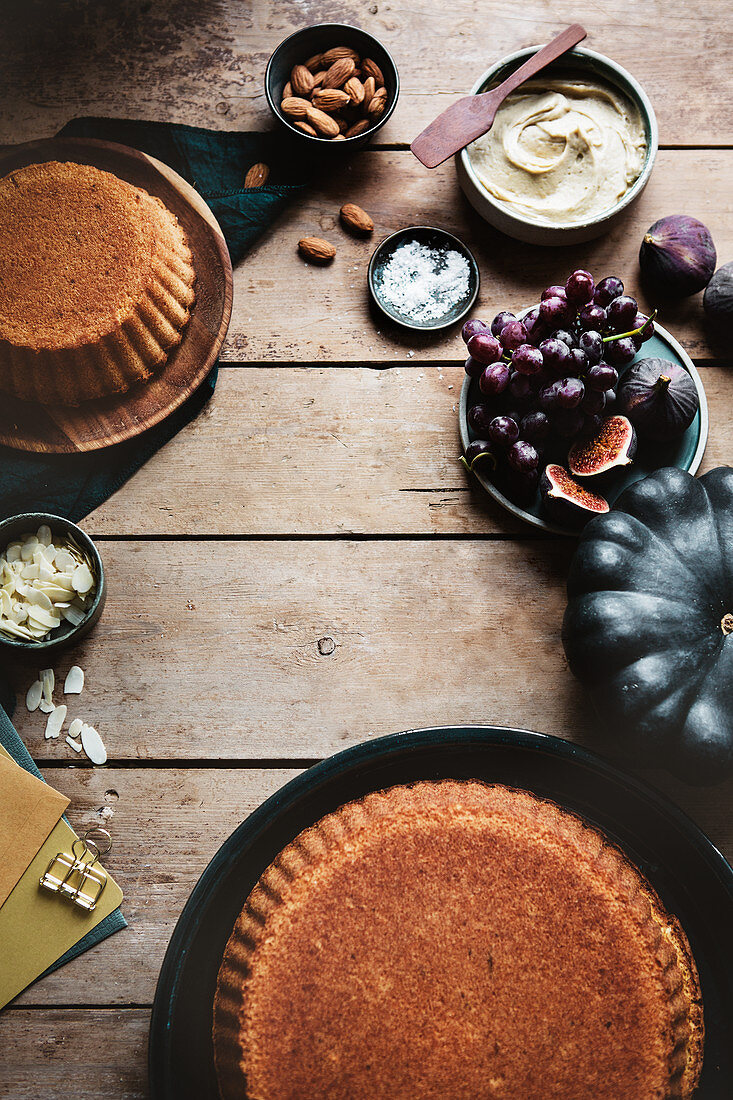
331	85
52	584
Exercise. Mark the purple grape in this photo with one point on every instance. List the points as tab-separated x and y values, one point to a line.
527	359
534	325
473	368
580	287
484	347
523	484
535	427
520	387
554	311
565	336
642	321
555	355
512	335
602	377
592	317
578	361
569	392
594	401
541	379
503	431
479	417
477	448
608	289
500	320
621	313
611	401
548	397
494	379
553	292
471	328
522	456
592	344
620	352
568	422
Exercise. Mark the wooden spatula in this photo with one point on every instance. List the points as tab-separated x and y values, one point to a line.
472	116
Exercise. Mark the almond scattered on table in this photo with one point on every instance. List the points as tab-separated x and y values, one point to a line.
257	175
315	250
349	91
355	219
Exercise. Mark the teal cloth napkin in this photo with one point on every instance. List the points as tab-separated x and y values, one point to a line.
215	163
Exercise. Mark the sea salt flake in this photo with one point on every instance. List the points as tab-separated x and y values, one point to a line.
423	283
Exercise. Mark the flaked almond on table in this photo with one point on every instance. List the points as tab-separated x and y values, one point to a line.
335	94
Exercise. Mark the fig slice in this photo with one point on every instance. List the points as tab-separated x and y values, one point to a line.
614	445
566	500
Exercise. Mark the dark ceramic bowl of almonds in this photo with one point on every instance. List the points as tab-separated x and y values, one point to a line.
332	86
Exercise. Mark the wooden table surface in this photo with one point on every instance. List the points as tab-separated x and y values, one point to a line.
319	495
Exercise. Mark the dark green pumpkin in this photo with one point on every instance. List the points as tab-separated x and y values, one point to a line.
649	622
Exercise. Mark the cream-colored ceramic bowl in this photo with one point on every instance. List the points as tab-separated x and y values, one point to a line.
585	64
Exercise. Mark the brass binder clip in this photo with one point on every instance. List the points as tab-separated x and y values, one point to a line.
73	875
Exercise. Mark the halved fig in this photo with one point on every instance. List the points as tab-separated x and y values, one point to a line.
566	500
613	446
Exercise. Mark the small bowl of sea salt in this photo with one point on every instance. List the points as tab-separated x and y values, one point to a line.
424	278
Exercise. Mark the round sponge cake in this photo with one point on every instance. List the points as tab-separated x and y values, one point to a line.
96	283
455	940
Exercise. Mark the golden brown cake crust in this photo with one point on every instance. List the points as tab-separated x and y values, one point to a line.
456	940
96	281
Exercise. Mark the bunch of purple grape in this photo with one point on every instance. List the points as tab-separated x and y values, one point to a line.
549	378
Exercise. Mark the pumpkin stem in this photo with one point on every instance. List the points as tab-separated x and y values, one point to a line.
726	623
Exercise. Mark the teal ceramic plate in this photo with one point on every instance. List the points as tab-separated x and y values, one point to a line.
685	453
689	874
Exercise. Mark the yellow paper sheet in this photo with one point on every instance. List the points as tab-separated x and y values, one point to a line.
37	927
29	809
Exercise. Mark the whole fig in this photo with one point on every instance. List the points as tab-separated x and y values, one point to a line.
677	257
718	299
659	398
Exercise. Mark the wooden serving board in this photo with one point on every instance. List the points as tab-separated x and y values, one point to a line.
56	429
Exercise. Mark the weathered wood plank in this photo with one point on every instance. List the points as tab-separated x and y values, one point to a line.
286	311
203	63
211	650
167	825
87	1054
317	451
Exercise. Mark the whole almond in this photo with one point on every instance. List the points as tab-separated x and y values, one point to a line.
343	124
305	128
257	175
356	220
325	125
315	62
378	103
330	99
358	127
301	79
336	53
370	68
294	107
354	90
315	250
370	88
339	72
287	91
319	78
